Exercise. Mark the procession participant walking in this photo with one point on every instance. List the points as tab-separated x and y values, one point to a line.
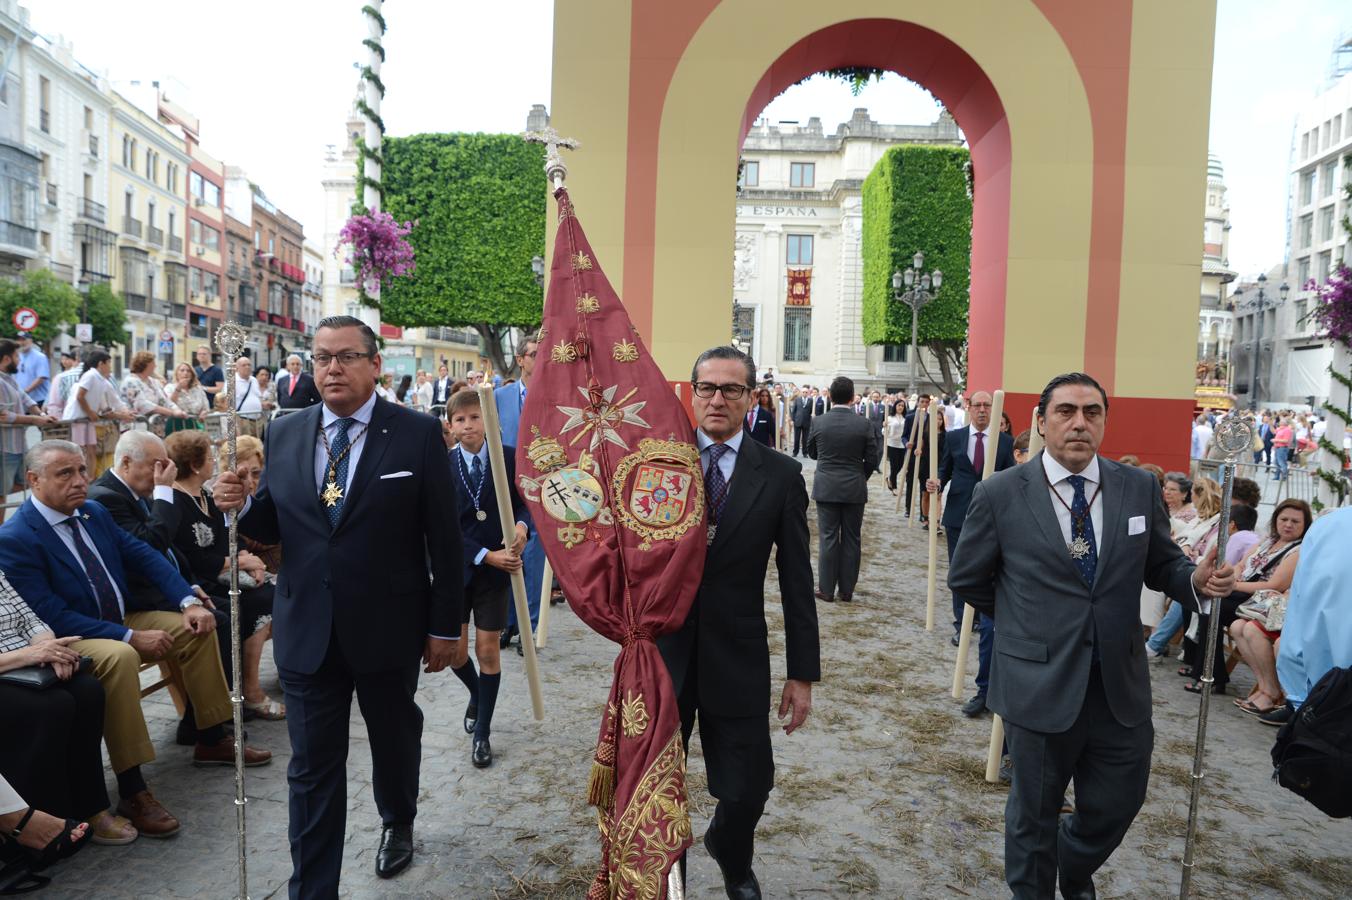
488	561
920	408
1057	550
962	461
800	411
894	434
847	449
720	659
510	400
348	481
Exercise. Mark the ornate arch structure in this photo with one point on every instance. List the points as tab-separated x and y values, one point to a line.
1088	130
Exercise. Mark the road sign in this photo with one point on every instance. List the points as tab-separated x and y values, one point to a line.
166	337
84	332
166	347
25	319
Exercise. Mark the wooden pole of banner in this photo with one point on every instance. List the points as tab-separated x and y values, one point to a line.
997	744
915	481
546	591
906	459
935	507
969	614
493	435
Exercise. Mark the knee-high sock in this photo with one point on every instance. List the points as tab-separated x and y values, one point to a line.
488	698
470	677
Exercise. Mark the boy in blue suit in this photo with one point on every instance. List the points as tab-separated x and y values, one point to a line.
489	560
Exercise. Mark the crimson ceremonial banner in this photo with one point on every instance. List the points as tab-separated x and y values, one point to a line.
608	463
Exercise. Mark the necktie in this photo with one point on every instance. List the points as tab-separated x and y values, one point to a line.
523	399
715	485
99	581
476	474
294	379
1082	526
337	451
979	454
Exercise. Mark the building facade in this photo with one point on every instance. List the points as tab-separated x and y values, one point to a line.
798	271
312	291
147	198
1216	318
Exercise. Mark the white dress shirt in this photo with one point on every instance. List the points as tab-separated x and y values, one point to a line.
1057	475
55	519
728	461
356	433
250	406
992	447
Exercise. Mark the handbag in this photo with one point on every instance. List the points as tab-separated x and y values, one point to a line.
1267	608
39	678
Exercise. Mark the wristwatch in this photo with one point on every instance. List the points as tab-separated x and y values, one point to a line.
191	601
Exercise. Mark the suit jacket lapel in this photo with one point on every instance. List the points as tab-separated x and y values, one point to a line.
379	435
1113	509
743	489
1040	505
303	458
47	535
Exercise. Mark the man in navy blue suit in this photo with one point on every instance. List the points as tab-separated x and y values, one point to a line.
70	561
358	493
960	466
511	399
489	562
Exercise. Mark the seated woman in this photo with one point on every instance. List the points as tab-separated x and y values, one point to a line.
143	391
249	461
203	539
1269	566
49	744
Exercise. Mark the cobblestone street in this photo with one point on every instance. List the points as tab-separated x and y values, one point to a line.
880	795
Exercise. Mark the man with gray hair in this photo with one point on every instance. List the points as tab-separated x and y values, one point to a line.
17	412
296	388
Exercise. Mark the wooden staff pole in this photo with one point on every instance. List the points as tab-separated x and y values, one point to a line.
915	481
493	434
1034	437
936	506
906	457
546	591
969	614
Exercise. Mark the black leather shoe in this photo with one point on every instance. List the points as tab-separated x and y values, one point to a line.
955	640
847	598
396	850
825	599
519	651
744	887
471	718
505	640
975	707
1079	890
482	754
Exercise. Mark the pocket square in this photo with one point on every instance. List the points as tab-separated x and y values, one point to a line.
1136	525
396	475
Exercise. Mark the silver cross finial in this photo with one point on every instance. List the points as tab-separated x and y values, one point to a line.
1234	435
555	170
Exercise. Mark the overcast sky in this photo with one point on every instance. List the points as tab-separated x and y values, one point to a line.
272	83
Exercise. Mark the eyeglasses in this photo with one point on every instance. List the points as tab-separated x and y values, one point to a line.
530	355
344	359
707	389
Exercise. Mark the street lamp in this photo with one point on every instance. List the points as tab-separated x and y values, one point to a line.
917	296
1259	305
537	266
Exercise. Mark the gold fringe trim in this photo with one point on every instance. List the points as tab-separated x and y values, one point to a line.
601	787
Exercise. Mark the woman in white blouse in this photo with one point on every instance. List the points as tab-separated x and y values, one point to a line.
94	400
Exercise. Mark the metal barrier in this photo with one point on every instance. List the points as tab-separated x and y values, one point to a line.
1300	483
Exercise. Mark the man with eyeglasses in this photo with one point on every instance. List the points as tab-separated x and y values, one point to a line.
720	659
511	399
848	449
348	481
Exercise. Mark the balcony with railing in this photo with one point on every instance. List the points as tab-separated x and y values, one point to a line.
135	302
175	244
246	316
93	210
155	235
131	226
178	312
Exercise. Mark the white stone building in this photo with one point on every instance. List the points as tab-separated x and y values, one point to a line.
1215	330
799	210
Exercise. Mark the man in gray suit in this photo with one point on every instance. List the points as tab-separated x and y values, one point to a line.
847	448
1056	551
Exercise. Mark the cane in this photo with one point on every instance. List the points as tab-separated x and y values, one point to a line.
1232	437
230	339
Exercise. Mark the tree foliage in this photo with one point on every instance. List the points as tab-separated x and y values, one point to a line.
479	204
55	302
107	314
915	199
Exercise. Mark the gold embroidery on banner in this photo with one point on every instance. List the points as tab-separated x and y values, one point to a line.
602	415
634	716
571	494
581	262
648	838
540	335
626	351
563	352
588	304
666	496
571	536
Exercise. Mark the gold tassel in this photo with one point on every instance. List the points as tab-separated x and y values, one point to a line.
601	785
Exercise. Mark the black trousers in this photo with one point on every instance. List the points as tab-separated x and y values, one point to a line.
740	766
838	529
318	707
1110	765
1229	607
894	458
800	438
50	750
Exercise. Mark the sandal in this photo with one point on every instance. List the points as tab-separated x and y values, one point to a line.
112	830
1195	687
267	709
1185	671
63	846
1255	710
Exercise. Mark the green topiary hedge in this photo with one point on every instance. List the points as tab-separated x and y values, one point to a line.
916	199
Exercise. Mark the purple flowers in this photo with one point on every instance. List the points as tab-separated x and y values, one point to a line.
377	249
1333	306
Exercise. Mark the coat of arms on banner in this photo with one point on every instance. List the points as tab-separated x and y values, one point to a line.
661	488
569	494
